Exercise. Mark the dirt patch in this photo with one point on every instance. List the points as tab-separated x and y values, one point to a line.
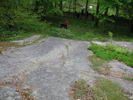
6	45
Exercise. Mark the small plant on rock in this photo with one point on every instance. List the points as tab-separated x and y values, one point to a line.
110	36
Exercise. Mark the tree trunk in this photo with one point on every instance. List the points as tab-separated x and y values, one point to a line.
86	8
36	6
70	2
98	6
96	22
97	13
131	26
75	6
55	5
117	11
106	12
61	5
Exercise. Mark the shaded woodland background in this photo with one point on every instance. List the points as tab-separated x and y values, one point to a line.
89	19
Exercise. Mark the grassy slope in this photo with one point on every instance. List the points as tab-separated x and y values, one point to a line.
79	29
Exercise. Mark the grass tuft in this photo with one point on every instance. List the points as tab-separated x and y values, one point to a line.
108	90
81	90
103	90
99	65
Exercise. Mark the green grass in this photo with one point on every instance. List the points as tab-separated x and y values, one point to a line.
103	90
129	78
108	90
79	29
111	52
99	65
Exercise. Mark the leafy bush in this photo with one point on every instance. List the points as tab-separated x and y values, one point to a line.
8	10
111	52
26	25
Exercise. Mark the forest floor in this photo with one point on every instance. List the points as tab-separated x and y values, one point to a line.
44	69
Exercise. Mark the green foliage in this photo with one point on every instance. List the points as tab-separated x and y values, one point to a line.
54	11
17	18
26	25
7	13
129	78
46	8
110	35
127	6
111	52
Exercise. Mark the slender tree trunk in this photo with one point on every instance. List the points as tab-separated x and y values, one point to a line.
106	12
75	6
131	26
97	13
70	2
86	8
36	6
61	5
98	6
117	11
55	5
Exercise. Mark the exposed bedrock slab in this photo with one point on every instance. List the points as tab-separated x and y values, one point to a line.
119	69
49	66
